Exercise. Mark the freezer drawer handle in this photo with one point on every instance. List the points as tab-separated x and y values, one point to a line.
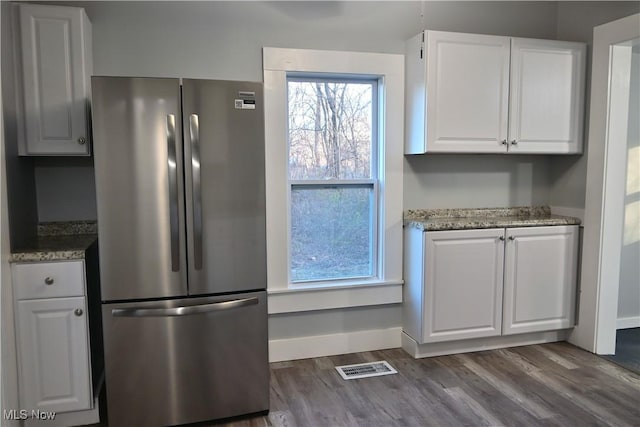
194	135
183	311
172	166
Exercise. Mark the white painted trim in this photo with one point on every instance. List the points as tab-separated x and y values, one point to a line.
568	211
288	300
329	286
276	178
329	345
628	322
603	205
331	61
479	344
4	244
8	357
389	68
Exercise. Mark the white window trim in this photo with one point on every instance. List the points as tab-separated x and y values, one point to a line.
386	289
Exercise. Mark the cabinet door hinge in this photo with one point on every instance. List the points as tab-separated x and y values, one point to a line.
422	46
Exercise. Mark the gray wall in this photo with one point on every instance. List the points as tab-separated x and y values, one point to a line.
629	291
21	190
66	188
459	181
445	181
327	322
223	40
575	21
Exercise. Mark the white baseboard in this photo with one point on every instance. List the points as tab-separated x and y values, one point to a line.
329	345
479	344
628	322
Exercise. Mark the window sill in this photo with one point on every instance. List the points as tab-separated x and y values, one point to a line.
332	296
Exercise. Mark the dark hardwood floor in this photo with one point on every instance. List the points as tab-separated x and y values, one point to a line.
541	385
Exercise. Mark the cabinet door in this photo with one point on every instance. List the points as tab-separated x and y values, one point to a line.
467	92
547	96
54	354
540	279
463	284
55	73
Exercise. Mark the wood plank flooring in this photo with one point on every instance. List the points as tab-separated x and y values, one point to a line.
541	385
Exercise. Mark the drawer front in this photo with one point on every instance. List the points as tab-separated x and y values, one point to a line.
48	280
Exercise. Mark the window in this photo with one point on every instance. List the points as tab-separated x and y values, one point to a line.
333	208
334	158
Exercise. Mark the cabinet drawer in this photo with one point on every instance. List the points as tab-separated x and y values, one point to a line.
48	280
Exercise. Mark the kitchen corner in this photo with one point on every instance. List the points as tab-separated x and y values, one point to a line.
498	266
208	207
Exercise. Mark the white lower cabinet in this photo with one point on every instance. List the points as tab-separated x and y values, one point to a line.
54	352
464	284
53	336
540	279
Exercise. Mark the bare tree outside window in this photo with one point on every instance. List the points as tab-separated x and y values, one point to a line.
333	179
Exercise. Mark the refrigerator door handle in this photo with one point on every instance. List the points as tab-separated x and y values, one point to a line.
194	135
173	192
185	310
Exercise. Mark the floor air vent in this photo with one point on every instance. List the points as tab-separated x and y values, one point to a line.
364	370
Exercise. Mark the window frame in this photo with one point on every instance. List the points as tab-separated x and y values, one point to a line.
373	181
388	69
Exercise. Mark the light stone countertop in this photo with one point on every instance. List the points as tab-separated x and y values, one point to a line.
58	241
465	219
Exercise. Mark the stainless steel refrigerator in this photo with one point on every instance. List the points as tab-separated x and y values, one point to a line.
181	221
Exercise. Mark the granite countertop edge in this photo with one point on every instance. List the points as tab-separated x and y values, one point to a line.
47	255
59	241
466	219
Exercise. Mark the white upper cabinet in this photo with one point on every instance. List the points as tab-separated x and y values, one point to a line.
56	66
459	85
469	93
547	96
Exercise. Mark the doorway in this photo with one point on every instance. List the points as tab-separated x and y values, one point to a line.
625	64
610	286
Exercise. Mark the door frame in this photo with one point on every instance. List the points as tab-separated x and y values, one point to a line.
598	299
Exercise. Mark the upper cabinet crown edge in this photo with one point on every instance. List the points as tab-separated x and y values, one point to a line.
470	93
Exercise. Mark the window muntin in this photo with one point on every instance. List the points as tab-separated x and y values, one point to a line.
332	171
